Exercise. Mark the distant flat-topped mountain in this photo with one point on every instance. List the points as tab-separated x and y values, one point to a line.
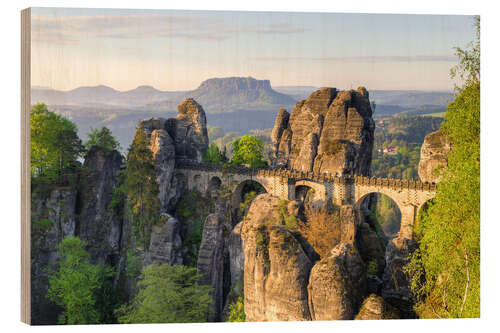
238	90
221	95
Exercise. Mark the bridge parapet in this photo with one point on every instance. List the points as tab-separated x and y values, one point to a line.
396	184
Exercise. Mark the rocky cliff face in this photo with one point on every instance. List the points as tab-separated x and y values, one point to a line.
276	267
329	132
337	284
211	261
283	281
433	154
396	283
99	226
53	218
182	138
375	308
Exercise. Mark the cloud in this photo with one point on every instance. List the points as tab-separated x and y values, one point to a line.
67	29
389	58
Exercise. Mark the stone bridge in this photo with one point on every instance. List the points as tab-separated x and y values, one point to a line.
409	195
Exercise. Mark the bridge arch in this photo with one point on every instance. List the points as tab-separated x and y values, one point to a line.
244	187
213	184
314	193
388	209
197	182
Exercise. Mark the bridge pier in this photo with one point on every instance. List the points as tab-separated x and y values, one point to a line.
408	216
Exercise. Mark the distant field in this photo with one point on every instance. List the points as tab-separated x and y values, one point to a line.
436	114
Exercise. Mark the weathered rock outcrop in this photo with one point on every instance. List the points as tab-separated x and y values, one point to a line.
276	267
280	125
211	261
375	308
189	131
98	225
236	255
165	245
53	218
162	146
396	282
337	284
181	138
331	131
433	154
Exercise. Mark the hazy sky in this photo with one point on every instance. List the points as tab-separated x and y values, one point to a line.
176	50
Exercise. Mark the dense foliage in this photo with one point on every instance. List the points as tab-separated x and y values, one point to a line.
247	151
446	269
102	138
192	210
76	285
214	156
55	146
386	213
168	294
237	311
141	188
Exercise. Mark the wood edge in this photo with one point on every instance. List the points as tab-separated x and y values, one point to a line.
25	166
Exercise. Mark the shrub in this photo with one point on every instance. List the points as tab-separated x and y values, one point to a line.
321	229
237	311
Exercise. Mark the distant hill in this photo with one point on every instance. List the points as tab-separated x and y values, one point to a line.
235	104
101	95
232	94
218	95
401	98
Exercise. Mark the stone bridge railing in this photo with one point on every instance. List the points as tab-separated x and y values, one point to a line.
409	195
392	183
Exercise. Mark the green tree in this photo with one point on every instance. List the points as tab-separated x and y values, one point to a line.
102	138
247	151
76	284
168	294
237	311
446	269
141	188
55	146
214	156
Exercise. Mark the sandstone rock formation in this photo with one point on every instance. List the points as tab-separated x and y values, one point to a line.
337	284
375	308
276	267
100	226
396	282
433	154
329	132
189	131
182	138
280	125
211	261
165	245
236	255
58	208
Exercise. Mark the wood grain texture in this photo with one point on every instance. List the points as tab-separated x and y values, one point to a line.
25	166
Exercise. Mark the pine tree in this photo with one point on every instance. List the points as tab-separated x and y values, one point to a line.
141	188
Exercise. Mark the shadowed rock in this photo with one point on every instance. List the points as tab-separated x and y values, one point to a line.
375	308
